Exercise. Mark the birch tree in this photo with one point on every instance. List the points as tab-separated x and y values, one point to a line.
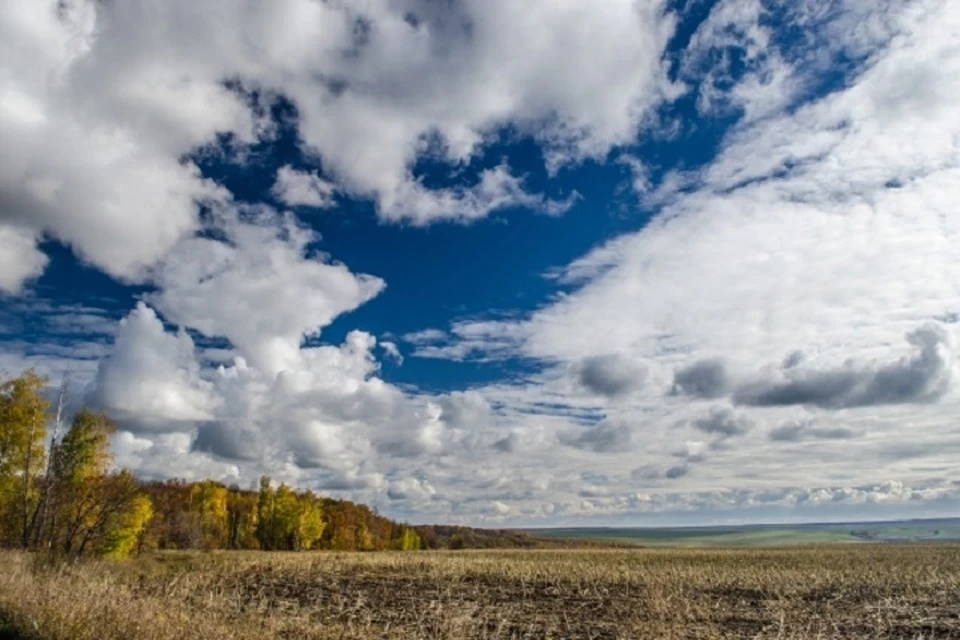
23	417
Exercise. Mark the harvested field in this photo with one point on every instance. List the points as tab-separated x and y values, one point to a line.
909	591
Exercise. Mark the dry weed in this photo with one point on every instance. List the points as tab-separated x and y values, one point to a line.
909	592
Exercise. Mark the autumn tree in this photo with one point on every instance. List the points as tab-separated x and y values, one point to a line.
285	523
287	520
95	509
125	528
278	517
406	539
209	499
241	519
266	506
173	525
23	416
310	522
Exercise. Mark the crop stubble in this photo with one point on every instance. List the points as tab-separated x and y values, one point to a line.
864	591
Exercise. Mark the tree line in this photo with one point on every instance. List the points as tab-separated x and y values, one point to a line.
210	515
61	495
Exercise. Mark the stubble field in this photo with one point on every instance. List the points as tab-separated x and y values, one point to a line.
863	591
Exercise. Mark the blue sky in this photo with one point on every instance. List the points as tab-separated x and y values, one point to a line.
489	262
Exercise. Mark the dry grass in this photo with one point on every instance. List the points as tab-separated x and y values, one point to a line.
812	592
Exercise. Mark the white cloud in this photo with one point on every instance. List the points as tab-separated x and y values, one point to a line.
100	103
262	290
609	375
766	84
316	414
497	189
162	456
468	340
151	380
302	188
465	409
92	143
425	336
392	351
326	420
410	489
750	265
20	259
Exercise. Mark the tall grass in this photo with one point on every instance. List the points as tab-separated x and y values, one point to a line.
811	592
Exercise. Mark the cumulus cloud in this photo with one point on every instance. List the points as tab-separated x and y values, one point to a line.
507	444
606	437
264	265
609	375
410	489
228	442
323	411
94	135
722	422
653	474
20	259
464	409
676	472
424	434
351	480
702	379
152	381
162	456
924	377
448	424
321	417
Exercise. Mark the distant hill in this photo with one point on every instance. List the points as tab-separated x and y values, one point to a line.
457	537
900	531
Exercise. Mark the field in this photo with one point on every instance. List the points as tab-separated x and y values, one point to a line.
764	535
849	591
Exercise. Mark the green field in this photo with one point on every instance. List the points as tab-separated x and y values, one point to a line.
764	535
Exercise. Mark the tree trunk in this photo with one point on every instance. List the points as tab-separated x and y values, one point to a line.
25	498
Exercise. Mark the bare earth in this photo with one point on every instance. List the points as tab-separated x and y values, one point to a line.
861	591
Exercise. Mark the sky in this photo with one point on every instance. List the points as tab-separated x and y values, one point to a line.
498	263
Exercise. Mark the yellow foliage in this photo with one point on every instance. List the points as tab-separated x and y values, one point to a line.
209	498
311	523
23	415
124	529
84	452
